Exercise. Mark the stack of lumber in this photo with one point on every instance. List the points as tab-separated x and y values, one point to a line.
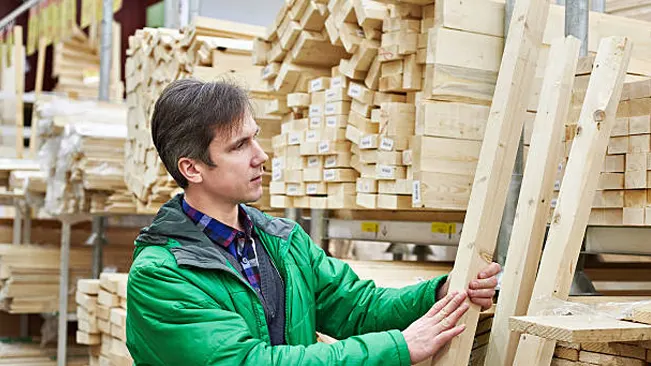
102	316
208	50
29	275
22	168
23	352
348	118
82	154
640	10
595	339
76	66
433	64
624	195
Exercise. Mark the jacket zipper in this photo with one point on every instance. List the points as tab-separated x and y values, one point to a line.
273	262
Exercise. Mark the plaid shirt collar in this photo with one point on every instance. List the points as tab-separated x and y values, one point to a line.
217	231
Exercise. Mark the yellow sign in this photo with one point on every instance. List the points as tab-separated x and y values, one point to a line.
370	227
444	228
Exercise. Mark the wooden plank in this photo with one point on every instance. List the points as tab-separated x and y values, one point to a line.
19	62
578	187
642	314
579	329
608	360
535	196
495	165
452	120
38	87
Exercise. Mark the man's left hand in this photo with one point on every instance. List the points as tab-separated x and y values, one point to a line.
481	290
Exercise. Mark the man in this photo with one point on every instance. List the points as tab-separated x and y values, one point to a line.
217	282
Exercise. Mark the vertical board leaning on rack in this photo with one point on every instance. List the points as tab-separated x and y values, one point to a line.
571	215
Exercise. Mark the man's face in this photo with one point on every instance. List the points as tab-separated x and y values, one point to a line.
239	160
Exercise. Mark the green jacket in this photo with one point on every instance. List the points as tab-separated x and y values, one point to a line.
189	306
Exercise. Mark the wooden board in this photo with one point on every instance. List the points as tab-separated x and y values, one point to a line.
580	329
577	189
495	165
535	196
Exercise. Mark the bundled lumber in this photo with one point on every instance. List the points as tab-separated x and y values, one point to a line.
22	352
29	275
440	57
593	340
624	191
208	50
102	316
9	166
76	65
82	153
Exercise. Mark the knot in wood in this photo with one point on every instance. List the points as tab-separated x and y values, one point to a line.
599	115
488	257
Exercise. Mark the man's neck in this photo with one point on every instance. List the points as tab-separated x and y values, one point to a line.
224	212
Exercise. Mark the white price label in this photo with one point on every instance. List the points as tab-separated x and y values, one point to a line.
266	71
366	142
292	189
415	194
277	163
294	139
330	161
311	188
315	110
386	144
324	146
316	84
331	121
315	122
277	175
330	108
312	162
554	202
328	175
311	136
557	185
330	93
385	171
355	90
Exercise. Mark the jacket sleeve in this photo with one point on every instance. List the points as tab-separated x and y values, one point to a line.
172	322
347	306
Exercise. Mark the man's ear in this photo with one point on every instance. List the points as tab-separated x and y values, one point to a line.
190	170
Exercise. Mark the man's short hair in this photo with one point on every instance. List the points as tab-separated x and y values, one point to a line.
188	114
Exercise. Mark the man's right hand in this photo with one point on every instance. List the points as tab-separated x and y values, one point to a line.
430	333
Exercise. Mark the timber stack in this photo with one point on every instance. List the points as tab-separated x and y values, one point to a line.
81	154
394	121
208	50
29	275
603	338
418	80
76	65
102	316
624	193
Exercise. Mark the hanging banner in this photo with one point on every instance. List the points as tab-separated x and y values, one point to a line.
56	20
32	31
117	5
48	27
9	31
71	15
87	12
